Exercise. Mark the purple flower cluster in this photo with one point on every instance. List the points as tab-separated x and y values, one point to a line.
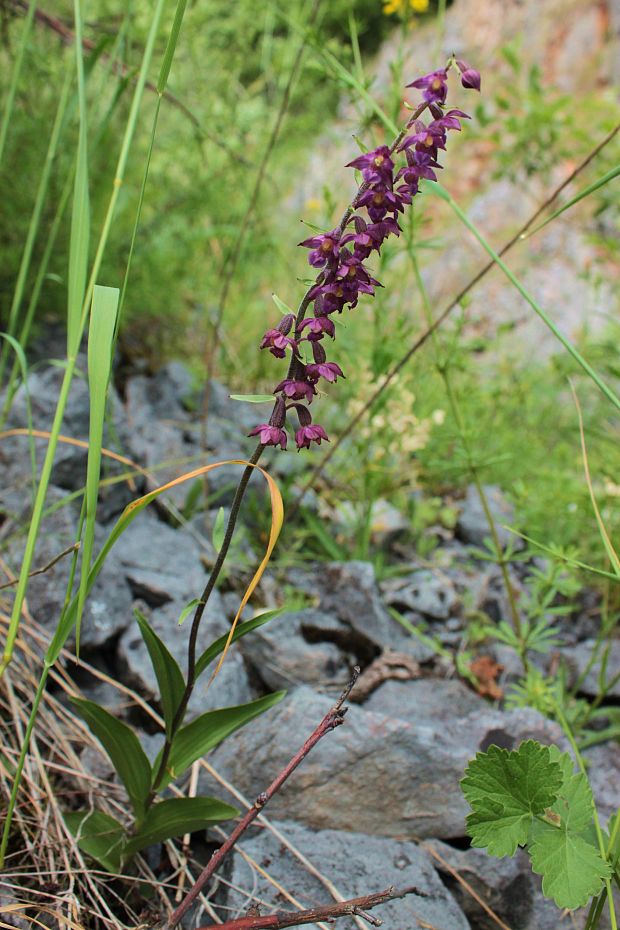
339	255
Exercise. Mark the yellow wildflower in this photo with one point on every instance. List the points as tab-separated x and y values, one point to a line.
392	6
419	6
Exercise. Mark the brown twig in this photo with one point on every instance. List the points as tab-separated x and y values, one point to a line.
46	568
334	718
354	906
425	336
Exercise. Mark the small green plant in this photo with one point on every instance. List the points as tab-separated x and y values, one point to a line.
114	844
531	797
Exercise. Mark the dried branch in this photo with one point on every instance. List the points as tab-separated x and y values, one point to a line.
46	568
334	718
353	907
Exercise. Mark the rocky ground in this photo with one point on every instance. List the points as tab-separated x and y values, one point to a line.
378	801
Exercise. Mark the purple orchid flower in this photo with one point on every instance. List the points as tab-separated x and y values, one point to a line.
376	166
469	76
296	389
270	435
343	276
324	248
434	86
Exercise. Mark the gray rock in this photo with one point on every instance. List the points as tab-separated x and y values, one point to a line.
108	607
357	864
349	592
292	649
472	524
579	656
159	563
603	761
425	699
163	568
428	592
163	431
69	469
394	777
507	886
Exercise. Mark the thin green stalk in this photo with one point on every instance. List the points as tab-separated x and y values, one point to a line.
570	348
15	76
35	219
55	647
161	88
597	826
121	165
455	407
440	28
37	286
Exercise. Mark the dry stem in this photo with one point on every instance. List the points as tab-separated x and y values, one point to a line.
334	718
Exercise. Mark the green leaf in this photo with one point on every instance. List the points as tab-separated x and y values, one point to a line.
505	790
585	192
217	537
177	816
169	676
282	307
99	836
572	869
217	646
575	804
208	731
564	853
124	749
103	314
254	398
187	610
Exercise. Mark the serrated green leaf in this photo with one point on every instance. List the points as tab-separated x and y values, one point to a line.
505	790
177	816
575	804
217	646
169	675
497	829
207	731
217	537
99	836
123	748
572	869
254	398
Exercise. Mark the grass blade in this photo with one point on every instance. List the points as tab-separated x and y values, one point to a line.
609	549
439	191
35	219
100	343
585	192
17	69
80	220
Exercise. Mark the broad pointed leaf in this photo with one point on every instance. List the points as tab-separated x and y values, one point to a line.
124	749
98	835
169	675
177	816
217	646
207	731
